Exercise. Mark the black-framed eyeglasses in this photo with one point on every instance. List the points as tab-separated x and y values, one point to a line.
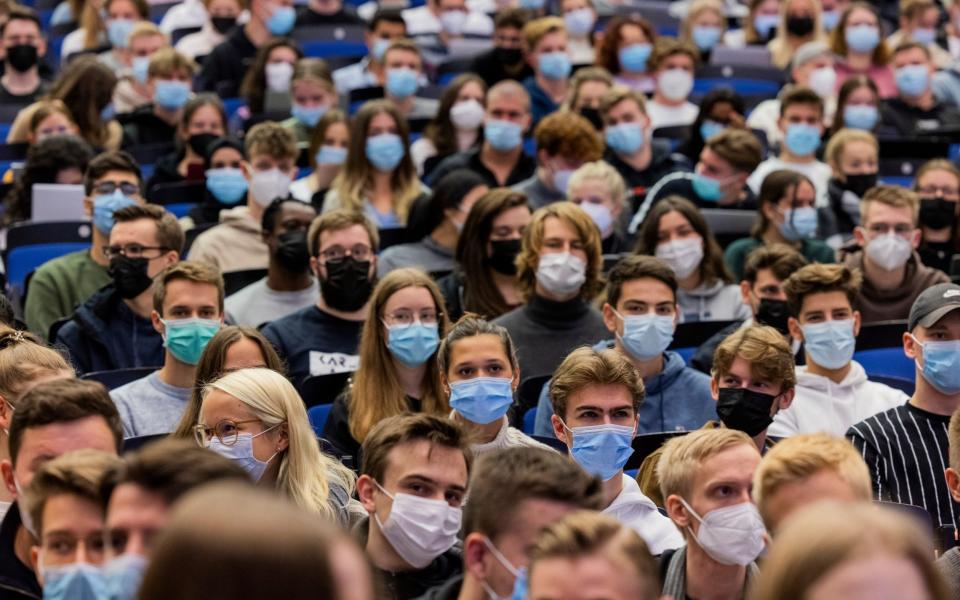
226	431
360	252
133	251
106	188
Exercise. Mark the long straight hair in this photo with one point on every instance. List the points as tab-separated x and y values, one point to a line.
376	393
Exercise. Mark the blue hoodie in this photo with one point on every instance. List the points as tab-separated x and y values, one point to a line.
691	405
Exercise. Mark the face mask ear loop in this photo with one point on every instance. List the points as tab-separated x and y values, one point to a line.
695	516
501	558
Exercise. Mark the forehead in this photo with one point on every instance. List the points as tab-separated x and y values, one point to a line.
605	396
477	347
296	210
226	154
346	236
142	231
21	26
134	506
734	463
555	227
219	405
878	211
401	54
443	464
646	289
50	441
825	301
117	175
67	512
181	291
412	297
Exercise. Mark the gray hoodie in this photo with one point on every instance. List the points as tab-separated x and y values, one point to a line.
717	301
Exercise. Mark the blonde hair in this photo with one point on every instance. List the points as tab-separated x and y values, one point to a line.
781	53
696	8
306	474
618	94
76	473
890	195
537	29
314	70
604	173
820	538
838	143
375	392
582	76
166	62
23	359
682	456
146	29
800	457
272	139
586	366
768	353
532	243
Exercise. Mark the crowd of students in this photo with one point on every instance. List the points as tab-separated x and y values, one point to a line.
458	372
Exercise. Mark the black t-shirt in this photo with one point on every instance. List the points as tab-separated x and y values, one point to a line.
8	99
225	66
470	159
344	16
314	342
909	120
491	69
662	163
143	127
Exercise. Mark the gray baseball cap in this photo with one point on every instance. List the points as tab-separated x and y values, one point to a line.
933	304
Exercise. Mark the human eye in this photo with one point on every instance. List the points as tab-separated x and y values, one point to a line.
731	381
495	368
465	371
454	499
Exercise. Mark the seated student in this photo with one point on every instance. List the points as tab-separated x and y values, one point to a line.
327	12
457	125
786	215
833	391
311	95
57	158
403	69
480	375
64	504
190	296
112	329
919	22
224	67
853	156
144	40
545	50
693	468
378	177
558	273
327	152
500	159
266	84
120	17
753	369
54	418
937	183
483	279
413	483
672	63
761	287
625	49
202	122
440	219
806	469
860	49
397	369
386	26
884	250
169	83
236	244
915	110
515	493
641	311
444	19
24	46
596	399
224	181
565	141
858	106
641	160
757	27
704	26
59	285
593	555
918	429
721	109
588	86
598	189
217	20
52	118
505	60
949	562
323	339
801	122
677	234
799	24
289	285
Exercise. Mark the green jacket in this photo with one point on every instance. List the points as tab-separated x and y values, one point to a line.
58	286
737	252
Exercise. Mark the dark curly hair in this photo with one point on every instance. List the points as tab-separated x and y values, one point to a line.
44	161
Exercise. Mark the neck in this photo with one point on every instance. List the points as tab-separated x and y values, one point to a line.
760	440
787	156
555	88
773	236
256	32
507	286
471	588
281	280
466	138
880	278
254	208
142	305
937	235
612	488
176	373
96	249
381	553
928	398
22	542
489	155
690	282
554	297
382	181
924	101
357	315
376	69
706	578
640	159
859	62
542	176
411	378
834	375
404	105
480	434
171	117
661	99
446	235
21	83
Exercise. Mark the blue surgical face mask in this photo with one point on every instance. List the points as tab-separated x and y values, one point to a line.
171	95
140	66
707	188
74	581
380	46
625	138
941	365
829	344
765	24
709	128
802	139
862	38
602	450
532	4
503	135
118	30
413	344
646	337
308	115
912	80
519	591
830	19
331	155
482	400
401	83
799	223
706	37
227	185
105	205
580	22
555	65
124	574
861	116
385	151
281	20
633	58
924	35
241	452
186	338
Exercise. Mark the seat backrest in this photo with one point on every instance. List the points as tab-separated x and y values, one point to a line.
318	417
528	392
690	335
118	377
178	192
49	232
23	260
322	389
889	362
645	444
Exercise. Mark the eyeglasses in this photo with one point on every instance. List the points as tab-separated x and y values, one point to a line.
360	252
226	431
108	187
427	316
132	251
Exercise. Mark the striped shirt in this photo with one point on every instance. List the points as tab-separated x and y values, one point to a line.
906	450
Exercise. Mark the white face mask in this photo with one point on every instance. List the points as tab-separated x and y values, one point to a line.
600	215
889	251
561	273
824	82
267	185
466	115
278	76
24	513
675	84
683	256
732	535
420	529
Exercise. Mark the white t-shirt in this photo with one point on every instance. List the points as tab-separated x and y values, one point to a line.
662	115
818	173
257	304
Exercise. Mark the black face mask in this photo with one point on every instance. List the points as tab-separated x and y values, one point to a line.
773	313
223	24
745	410
592	115
129	276
200	142
859	184
504	254
22	57
348	284
799	26
291	251
937	213
508	56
